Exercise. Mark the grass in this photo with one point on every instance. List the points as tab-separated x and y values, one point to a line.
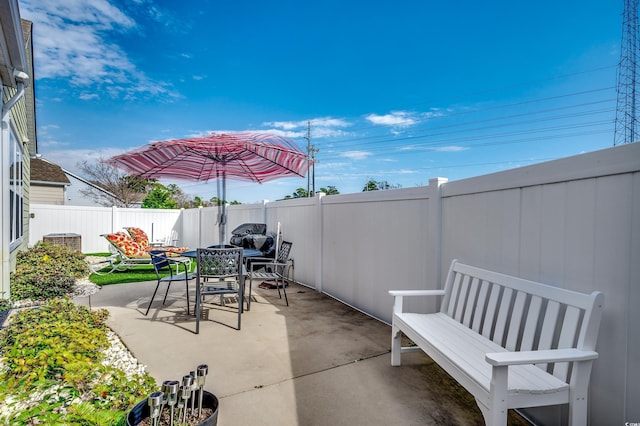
132	274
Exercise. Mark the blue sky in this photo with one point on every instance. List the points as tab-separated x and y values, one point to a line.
395	91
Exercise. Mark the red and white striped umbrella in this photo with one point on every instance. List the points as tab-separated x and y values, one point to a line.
257	157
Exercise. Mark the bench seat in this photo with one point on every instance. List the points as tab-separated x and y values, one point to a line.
449	341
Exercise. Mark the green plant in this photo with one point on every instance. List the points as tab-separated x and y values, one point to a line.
46	271
5	305
55	352
40	343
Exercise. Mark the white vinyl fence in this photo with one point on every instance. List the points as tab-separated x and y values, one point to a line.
91	222
572	223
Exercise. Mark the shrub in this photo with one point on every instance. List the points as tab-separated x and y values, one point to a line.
5	305
46	271
52	371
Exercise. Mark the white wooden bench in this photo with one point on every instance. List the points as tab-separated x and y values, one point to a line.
512	343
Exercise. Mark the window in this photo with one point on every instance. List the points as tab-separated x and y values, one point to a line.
15	192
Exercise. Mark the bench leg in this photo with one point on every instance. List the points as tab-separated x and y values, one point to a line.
396	345
578	405
496	413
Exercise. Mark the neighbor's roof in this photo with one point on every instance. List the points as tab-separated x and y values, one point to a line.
43	171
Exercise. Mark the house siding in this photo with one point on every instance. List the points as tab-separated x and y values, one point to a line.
42	194
15	39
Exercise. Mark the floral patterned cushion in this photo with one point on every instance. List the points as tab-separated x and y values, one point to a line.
126	245
139	236
171	250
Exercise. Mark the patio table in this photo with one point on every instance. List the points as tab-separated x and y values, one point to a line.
245	253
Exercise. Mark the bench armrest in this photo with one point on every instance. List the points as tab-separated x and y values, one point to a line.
399	296
416	292
498	359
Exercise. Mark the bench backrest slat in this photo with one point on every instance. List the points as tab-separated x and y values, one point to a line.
522	315
452	296
568	337
492	306
516	320
471	302
478	314
531	324
462	298
503	316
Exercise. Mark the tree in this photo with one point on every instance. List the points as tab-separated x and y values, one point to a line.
113	186
198	202
160	197
330	190
302	193
218	202
372	185
182	200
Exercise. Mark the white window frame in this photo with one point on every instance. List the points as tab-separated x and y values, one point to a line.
16	191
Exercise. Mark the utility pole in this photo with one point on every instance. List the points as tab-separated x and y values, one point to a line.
311	162
627	127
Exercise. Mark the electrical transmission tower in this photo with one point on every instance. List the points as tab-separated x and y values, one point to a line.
626	125
311	159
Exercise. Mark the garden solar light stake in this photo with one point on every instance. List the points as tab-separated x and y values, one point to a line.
185	392
164	395
170	389
155	406
187	383
194	386
203	369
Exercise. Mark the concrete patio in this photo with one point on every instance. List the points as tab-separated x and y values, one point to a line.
316	362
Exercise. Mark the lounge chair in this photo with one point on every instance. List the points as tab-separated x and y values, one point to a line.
126	253
141	237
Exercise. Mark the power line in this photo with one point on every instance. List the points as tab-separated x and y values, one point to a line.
460	127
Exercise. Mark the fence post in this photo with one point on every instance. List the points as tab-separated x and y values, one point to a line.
200	226
264	211
434	227
319	236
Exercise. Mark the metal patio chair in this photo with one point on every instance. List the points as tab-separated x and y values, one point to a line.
273	270
162	262
220	272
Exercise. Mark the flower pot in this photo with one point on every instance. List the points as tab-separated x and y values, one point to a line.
141	411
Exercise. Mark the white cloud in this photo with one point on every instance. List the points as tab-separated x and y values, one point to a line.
330	122
332	165
405	172
394	118
323	127
89	96
452	148
356	155
70	158
71	42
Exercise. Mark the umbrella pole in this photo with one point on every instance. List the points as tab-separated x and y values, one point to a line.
222	207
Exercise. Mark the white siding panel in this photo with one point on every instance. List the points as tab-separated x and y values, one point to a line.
611	267
553	218
46	195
